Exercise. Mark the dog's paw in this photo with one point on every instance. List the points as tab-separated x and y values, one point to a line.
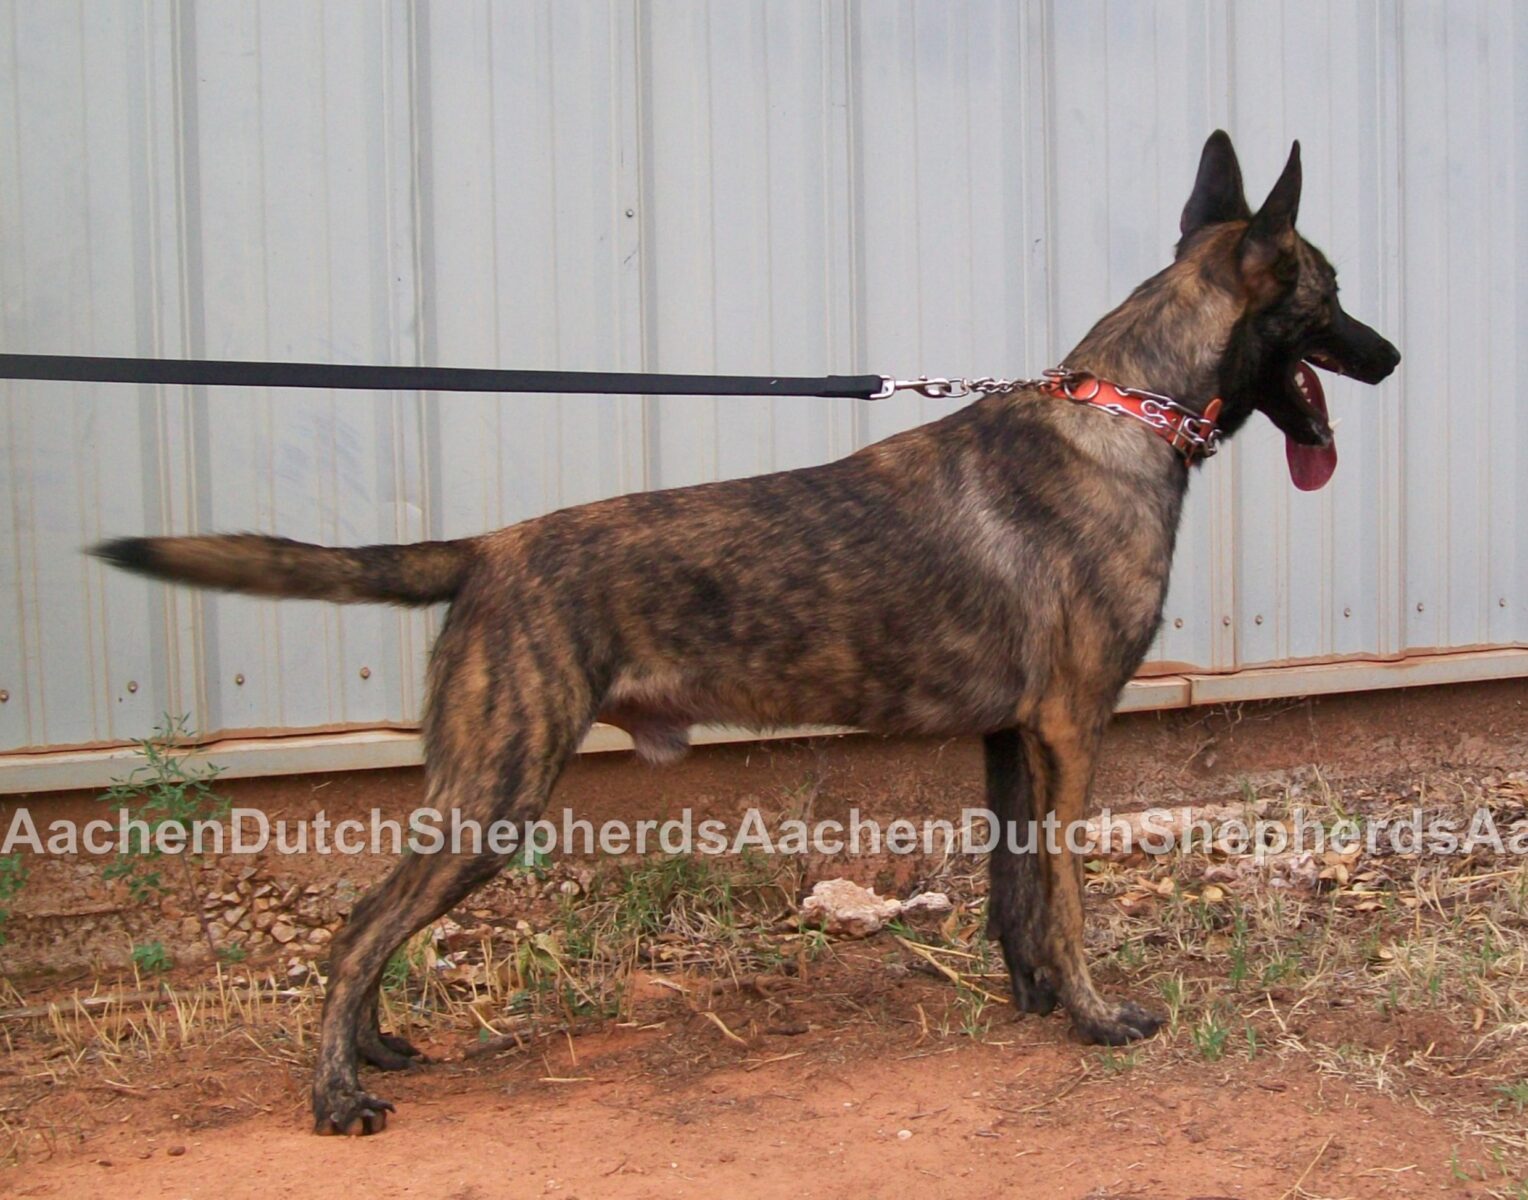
1126	1023
388	1052
350	1111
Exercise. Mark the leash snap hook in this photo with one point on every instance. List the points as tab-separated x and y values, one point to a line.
934	389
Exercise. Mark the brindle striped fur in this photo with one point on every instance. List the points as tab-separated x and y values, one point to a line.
999	572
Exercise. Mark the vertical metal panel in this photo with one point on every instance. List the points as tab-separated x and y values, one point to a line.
527	168
794	187
744	259
1309	564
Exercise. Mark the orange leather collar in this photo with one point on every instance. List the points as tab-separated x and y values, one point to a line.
1193	435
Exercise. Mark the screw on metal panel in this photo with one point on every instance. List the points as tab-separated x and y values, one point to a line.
1419	606
1177	622
365	672
132	685
4	695
239	679
1502	603
1225	620
631	212
1347	612
1258	620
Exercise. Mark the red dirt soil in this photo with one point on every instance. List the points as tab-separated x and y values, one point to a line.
827	1123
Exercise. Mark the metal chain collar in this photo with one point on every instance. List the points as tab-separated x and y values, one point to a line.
1199	434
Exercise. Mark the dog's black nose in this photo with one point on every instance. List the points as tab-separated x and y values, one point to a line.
1388	358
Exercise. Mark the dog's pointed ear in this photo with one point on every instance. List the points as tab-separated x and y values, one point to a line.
1268	263
1218	194
1276	219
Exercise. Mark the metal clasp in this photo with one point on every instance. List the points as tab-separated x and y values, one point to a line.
937	389
940	388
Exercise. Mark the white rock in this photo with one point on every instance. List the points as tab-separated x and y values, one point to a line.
841	906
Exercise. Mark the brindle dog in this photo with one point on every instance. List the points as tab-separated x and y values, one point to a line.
999	572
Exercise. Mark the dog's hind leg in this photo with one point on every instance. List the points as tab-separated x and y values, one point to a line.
420	888
1016	914
498	733
1068	747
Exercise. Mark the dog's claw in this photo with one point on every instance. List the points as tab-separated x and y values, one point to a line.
353	1114
1128	1023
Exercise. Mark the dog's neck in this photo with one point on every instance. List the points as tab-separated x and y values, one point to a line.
1168	337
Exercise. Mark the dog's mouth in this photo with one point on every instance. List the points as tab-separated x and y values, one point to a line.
1312	459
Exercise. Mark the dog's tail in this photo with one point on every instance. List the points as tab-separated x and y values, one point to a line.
422	573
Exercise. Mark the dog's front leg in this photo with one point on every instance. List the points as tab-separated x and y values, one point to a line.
1068	746
1016	914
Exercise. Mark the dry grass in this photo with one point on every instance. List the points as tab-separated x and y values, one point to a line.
1403	974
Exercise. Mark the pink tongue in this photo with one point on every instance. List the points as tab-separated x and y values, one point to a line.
1310	466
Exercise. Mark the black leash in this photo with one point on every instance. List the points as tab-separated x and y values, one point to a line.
224	373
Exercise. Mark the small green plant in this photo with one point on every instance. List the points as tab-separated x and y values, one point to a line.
151	958
974	1022
409	959
813	942
1171	989
1238	949
1115	1062
1280	968
13	876
1210	1036
1515	1094
166	792
535	863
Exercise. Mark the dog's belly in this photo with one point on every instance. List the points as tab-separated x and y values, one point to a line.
658	707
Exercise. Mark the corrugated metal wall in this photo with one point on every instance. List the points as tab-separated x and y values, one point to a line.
792	187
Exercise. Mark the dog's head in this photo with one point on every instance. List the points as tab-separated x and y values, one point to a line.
1291	319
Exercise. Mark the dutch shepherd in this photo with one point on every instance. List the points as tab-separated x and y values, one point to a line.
998	572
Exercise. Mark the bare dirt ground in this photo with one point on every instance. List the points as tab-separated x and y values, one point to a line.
862	1107
1348	1025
